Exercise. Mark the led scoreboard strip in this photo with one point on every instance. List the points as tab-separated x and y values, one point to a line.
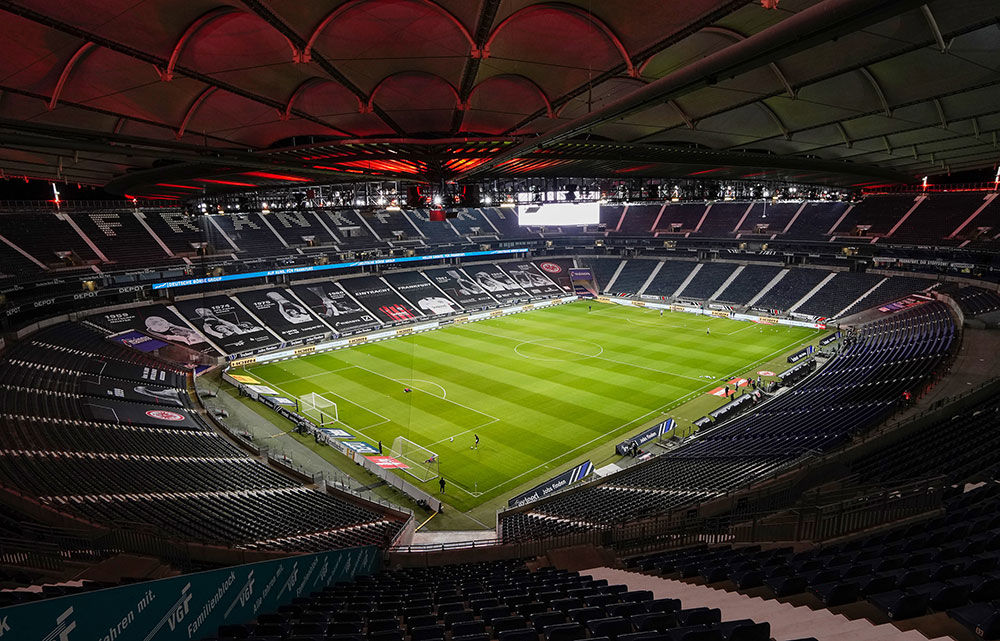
317	268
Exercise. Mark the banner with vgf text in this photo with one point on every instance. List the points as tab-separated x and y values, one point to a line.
187	607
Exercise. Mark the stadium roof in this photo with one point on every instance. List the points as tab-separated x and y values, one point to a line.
168	98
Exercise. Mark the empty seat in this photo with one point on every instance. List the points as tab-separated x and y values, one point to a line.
745	630
982	618
565	632
544	619
518	634
427	633
609	627
899	605
457	616
467	627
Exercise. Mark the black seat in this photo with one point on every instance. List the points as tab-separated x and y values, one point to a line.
466	628
745	630
427	633
518	634
565	632
609	627
451	618
653	621
544	619
900	604
500	624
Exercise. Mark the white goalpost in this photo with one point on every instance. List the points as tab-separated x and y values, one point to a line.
318	408
422	462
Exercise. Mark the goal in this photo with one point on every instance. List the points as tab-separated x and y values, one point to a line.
422	462
319	408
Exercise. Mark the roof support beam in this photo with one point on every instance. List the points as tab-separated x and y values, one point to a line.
201	21
79	55
573	10
350	4
935	30
519	78
847	139
878	90
691	124
487	15
299	43
144	56
193	108
736	36
909	48
718	13
776	119
940	111
815	25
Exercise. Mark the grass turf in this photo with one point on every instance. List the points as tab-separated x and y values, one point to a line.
538	388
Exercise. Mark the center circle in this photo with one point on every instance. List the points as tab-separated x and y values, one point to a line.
558	349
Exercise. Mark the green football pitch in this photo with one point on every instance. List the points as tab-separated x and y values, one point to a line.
540	389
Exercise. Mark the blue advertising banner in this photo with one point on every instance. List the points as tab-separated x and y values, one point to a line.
361	447
578	473
654	432
802	353
185	607
316	268
829	339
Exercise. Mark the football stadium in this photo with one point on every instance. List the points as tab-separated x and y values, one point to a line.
499	320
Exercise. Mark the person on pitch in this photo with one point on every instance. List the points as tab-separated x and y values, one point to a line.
441	484
476	446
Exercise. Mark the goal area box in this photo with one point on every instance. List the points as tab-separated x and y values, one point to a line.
319	408
422	462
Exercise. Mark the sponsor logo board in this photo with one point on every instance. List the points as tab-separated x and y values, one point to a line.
164	415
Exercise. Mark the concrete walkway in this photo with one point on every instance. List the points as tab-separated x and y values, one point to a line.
787	621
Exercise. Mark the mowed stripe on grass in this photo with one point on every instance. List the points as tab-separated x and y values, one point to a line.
538	388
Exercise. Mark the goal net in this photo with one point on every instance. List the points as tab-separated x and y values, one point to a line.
422	462
319	408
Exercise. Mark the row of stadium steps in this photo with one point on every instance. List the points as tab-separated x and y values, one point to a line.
671	276
964	448
175	474
633	276
918	574
707	281
784	620
793	287
751	280
838	293
499	600
973	301
856	389
888	290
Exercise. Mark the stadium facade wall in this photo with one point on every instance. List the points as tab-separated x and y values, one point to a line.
189	606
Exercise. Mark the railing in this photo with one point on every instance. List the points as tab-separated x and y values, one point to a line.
928	189
831	517
825	522
28	206
37	555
